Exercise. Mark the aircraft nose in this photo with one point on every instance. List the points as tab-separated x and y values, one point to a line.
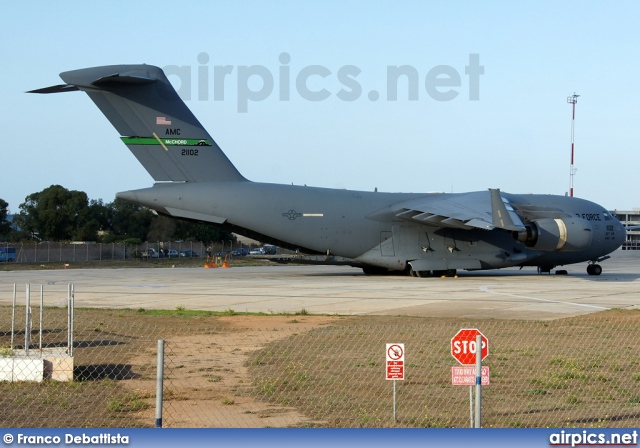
622	233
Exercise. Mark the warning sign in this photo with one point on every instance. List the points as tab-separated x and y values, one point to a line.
395	361
466	376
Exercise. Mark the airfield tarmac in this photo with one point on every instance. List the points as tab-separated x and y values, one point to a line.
502	294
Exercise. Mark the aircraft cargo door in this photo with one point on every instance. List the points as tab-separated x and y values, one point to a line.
386	244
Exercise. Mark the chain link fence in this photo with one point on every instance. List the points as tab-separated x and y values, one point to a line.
49	252
52	252
575	372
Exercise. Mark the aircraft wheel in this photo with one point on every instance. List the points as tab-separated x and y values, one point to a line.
412	273
451	272
439	273
594	269
424	274
374	270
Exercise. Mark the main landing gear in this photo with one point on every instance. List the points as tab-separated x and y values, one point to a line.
421	274
374	270
594	269
425	274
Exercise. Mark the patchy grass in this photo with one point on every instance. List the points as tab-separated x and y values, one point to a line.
579	371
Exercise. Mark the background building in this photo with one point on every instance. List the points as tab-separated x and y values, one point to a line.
630	219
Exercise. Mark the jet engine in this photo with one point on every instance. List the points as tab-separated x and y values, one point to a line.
560	234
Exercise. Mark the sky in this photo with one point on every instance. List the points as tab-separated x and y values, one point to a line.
309	100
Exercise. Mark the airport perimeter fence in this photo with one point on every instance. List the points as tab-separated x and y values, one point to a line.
53	252
575	372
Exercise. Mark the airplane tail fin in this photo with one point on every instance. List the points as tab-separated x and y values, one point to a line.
153	122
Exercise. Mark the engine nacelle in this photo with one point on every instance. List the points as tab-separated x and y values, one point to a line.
560	234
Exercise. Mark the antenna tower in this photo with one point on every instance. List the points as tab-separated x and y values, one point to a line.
573	99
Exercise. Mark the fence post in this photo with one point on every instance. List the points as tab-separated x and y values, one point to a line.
27	325
70	317
478	421
159	383
471	425
41	315
13	315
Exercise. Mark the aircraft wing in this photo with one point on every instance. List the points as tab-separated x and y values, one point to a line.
482	209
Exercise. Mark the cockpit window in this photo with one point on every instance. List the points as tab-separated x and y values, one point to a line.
607	216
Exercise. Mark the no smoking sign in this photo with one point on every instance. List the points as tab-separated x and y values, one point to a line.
395	361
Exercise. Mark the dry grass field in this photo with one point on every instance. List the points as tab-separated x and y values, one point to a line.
231	370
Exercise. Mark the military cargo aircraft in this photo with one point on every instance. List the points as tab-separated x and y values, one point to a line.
419	234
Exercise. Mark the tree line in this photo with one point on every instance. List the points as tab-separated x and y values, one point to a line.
58	214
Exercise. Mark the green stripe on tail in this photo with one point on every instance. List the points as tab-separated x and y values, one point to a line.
165	141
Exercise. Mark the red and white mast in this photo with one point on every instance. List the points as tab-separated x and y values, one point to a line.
573	99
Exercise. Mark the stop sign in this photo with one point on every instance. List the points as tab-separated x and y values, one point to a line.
463	346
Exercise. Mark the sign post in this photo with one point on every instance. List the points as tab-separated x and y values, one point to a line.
478	418
395	368
469	347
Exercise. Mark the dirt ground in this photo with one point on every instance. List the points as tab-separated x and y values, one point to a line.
204	389
115	363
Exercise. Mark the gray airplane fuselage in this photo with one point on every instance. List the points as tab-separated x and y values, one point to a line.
416	233
351	223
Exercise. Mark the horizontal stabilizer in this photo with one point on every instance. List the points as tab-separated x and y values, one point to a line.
117	79
56	89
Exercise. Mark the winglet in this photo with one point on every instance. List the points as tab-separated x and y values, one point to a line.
499	213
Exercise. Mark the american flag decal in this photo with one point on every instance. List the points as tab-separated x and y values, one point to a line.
162	121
